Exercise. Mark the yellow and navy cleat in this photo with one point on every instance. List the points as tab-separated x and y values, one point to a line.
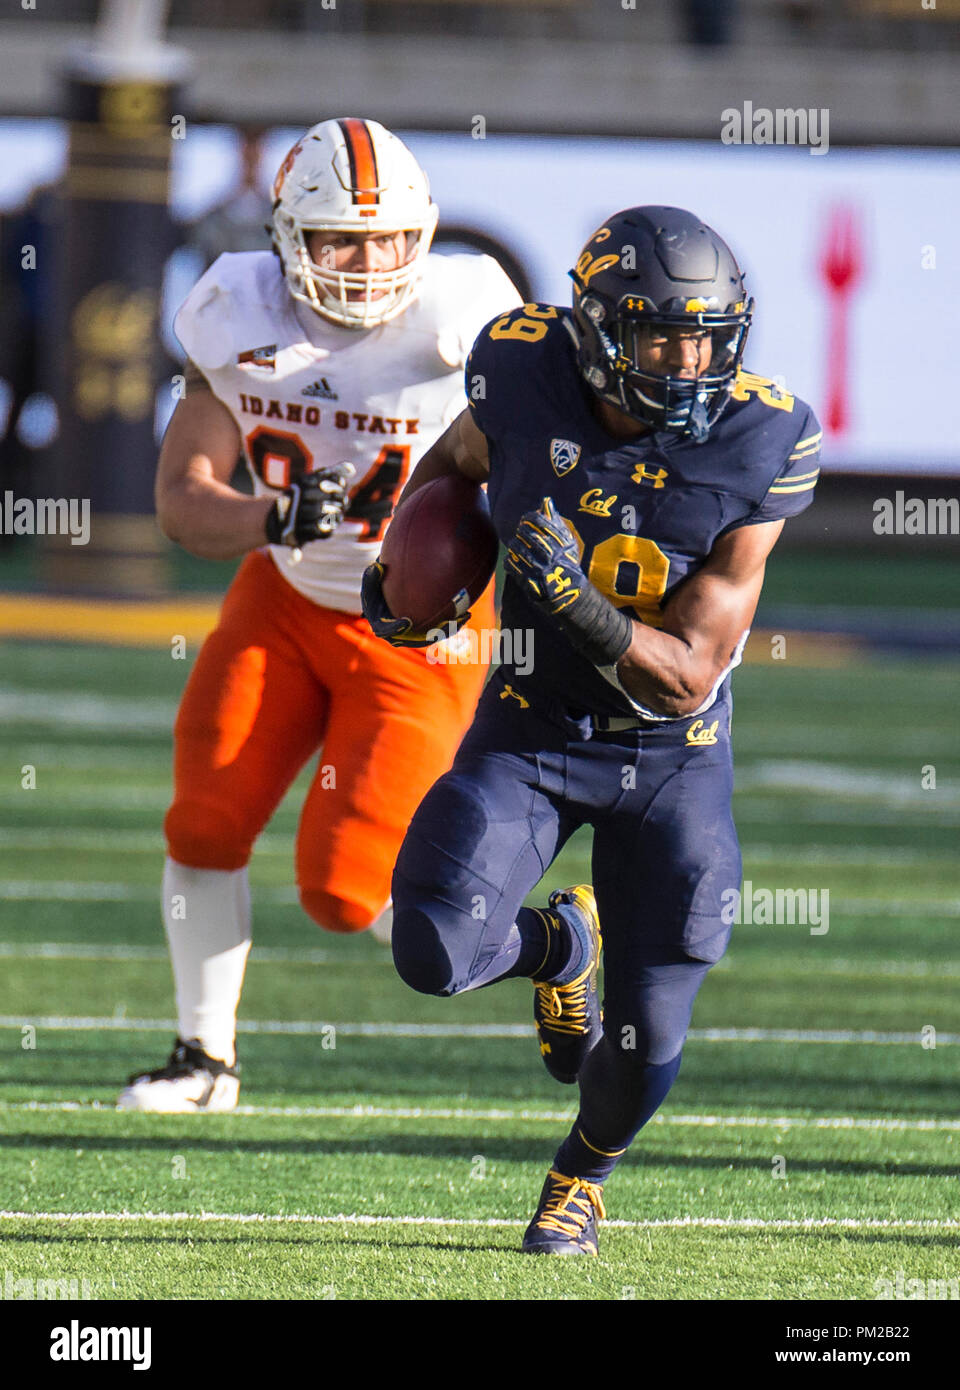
565	1222
567	1012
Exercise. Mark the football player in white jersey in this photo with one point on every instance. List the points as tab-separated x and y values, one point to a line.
334	362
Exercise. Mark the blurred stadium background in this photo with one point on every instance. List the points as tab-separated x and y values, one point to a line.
130	156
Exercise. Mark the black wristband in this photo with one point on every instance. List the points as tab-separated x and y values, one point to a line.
595	628
272	526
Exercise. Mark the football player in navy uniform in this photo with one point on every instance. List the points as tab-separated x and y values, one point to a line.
639	478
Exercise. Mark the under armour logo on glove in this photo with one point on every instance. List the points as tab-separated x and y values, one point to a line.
544	557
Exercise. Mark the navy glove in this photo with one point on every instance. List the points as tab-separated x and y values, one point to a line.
312	508
544	559
543	556
400	632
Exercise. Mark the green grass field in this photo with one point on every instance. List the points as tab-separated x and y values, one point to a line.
399	1153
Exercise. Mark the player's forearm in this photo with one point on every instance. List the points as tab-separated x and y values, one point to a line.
674	668
437	462
663	672
212	520
460	449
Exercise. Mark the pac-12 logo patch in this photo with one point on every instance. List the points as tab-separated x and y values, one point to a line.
564	455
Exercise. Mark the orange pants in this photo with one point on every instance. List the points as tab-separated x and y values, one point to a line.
279	677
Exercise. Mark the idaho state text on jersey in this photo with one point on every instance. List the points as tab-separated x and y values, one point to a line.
646	513
295	412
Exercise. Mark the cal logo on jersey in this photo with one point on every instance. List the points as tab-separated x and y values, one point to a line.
699	734
259	357
563	455
594	502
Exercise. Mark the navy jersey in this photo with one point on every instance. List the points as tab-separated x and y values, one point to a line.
647	512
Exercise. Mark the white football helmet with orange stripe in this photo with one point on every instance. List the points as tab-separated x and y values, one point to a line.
351	175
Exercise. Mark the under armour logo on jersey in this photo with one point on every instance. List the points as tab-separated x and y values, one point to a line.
265	357
698	736
508	693
643	474
563	455
322	389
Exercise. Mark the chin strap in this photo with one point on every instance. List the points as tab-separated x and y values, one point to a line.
698	425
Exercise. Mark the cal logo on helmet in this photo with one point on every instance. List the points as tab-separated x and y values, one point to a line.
564	455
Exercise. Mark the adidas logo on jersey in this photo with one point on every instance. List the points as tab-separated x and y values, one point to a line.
322	389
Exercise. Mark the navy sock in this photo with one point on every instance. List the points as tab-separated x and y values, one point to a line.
615	1111
539	945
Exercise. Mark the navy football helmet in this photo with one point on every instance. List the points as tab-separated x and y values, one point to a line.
647	277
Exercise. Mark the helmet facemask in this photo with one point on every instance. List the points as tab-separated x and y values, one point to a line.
380	294
615	356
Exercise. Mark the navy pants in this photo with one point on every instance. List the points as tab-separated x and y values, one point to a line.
665	860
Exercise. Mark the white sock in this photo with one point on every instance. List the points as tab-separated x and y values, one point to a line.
207	916
382	928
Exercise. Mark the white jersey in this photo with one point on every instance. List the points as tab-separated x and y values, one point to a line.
306	393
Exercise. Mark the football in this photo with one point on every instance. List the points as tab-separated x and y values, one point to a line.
440	542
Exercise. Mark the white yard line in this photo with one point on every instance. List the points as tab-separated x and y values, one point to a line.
877	1124
834	854
295	955
79	709
311	1028
839	779
723	1223
114	842
80	890
98	890
750	810
78	950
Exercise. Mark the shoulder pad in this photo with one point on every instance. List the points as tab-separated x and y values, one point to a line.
528	323
236	305
521	350
788	438
457	297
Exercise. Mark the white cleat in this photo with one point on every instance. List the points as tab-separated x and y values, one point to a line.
190	1082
